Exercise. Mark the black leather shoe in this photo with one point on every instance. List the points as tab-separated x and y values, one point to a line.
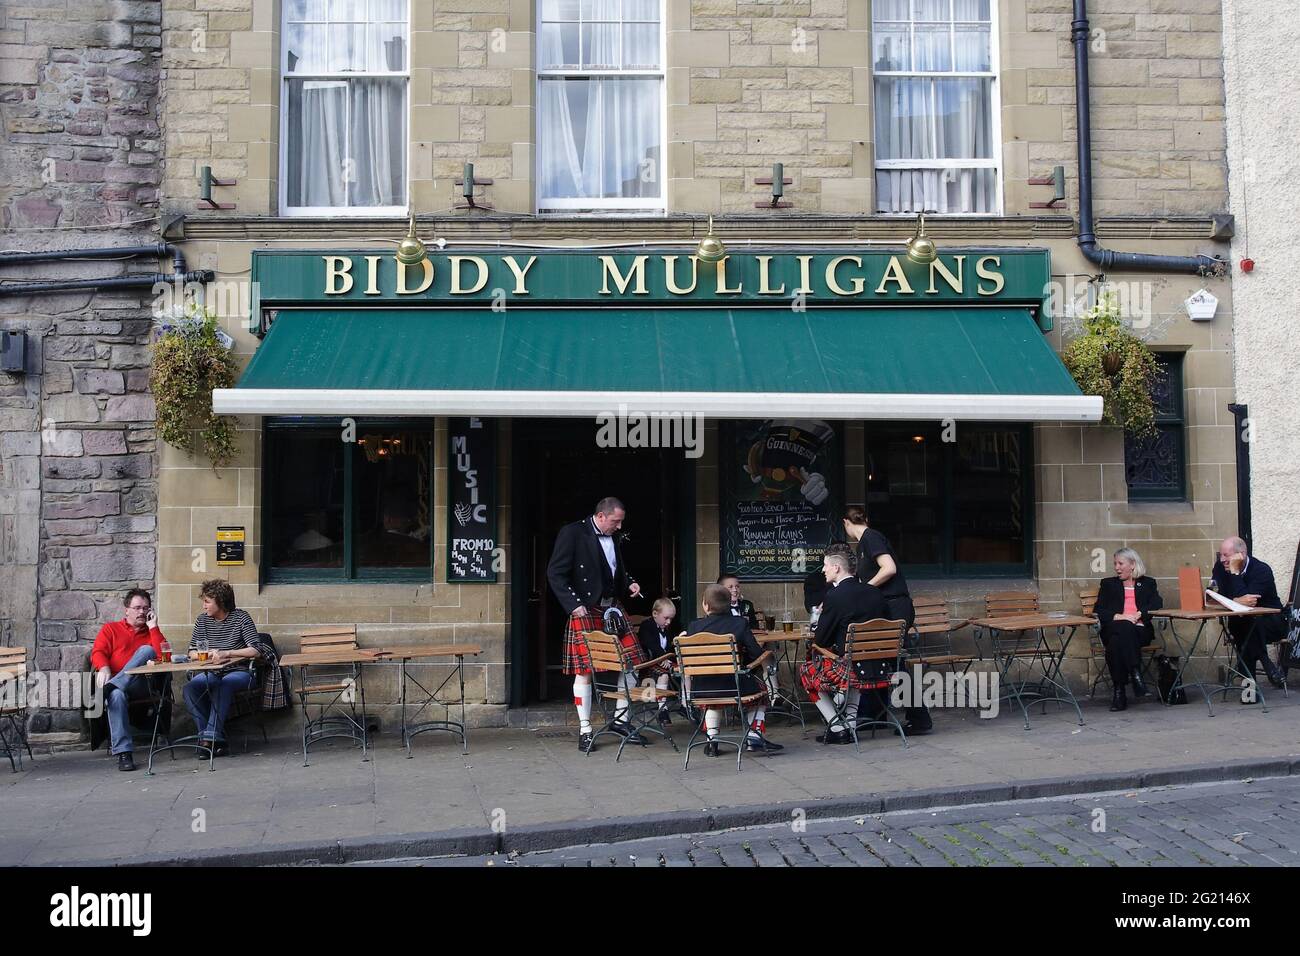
835	737
711	749
221	750
1139	688
663	716
755	743
125	761
1118	699
584	743
1276	677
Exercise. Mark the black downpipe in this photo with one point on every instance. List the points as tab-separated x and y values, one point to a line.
1240	414
146	280
1109	259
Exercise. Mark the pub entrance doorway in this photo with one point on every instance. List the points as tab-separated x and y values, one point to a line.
558	475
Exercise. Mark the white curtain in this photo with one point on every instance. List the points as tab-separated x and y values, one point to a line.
317	142
347	143
377	138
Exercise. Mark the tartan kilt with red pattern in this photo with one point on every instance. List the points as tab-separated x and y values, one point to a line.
576	660
834	674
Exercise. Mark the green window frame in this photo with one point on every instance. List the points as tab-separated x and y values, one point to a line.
345	472
922	493
1155	468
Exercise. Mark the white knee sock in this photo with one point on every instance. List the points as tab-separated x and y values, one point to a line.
620	709
662	684
756	725
582	701
851	703
712	721
827	710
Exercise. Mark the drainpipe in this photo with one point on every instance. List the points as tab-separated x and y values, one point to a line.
1109	259
147	280
1239	414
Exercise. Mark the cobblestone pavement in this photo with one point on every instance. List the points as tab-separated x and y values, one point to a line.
1238	824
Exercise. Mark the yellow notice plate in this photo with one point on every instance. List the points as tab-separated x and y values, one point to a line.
230	547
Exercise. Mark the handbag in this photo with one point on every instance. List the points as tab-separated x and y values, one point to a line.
1166	675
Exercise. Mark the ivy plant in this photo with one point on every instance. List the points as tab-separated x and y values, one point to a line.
189	361
1109	361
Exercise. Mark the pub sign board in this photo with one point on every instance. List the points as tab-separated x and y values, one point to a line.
471	501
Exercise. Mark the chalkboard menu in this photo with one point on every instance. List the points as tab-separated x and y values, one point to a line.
471	501
782	495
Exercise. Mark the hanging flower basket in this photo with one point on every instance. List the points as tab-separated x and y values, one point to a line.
1109	361
190	358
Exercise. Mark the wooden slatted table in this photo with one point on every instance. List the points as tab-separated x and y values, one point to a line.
1041	654
191	742
785	701
403	654
1186	651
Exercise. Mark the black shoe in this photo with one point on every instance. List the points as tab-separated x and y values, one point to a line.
663	716
221	750
624	729
711	749
584	743
755	743
912	730
204	754
835	737
1139	688
1118	699
125	761
1276	676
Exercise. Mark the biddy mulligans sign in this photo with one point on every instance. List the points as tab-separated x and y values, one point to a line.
632	276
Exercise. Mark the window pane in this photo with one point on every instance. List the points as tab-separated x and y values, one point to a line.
600	46
904	492
317	111
599	138
348	11
932	48
392	481
387	46
970	10
641	46
305	47
972	48
891	10
641	10
559	10
305	10
559	46
388	10
611	10
925	118
347	48
891	49
305	484
932	10
377	172
989	496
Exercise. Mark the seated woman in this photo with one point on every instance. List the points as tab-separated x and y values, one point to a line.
718	619
232	636
655	643
1123	608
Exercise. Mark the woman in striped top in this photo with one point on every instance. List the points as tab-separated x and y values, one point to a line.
232	637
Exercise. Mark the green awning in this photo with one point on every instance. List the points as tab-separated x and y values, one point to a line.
968	363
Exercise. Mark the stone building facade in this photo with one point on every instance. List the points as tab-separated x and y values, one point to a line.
80	167
746	85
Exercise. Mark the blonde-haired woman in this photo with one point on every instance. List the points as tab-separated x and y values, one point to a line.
1124	605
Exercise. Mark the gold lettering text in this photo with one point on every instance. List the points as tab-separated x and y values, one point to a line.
954	281
894	273
670	275
520	274
765	264
621	282
994	277
427	281
857	282
372	275
722	278
338	275
805	275
479	264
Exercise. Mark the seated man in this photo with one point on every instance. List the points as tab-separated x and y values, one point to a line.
848	601
1249	581
120	646
718	619
739	606
655	642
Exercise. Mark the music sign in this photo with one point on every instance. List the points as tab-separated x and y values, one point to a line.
471	501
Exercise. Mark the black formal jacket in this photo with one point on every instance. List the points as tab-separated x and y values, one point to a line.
1110	600
1256	578
849	602
746	609
578	572
728	623
814	589
648	636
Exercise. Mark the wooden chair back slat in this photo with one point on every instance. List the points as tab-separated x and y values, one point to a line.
335	637
707	653
874	640
1006	603
1088	601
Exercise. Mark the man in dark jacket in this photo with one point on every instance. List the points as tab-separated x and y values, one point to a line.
1249	581
718	619
587	576
847	601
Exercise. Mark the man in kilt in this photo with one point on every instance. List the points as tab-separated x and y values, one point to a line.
847	601
587	575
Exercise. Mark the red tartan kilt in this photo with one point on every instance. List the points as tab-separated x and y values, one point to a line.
576	660
832	675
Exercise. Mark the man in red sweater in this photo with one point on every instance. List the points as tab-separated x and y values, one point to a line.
120	646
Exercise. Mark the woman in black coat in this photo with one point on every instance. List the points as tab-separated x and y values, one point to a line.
1124	606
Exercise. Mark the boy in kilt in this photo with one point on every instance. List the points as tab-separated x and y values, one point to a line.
587	575
847	601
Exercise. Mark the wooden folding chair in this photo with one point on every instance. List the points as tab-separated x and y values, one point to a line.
931	636
616	679
13	704
713	655
870	641
324	686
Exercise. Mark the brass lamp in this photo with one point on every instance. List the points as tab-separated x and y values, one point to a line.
411	251
710	248
921	248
